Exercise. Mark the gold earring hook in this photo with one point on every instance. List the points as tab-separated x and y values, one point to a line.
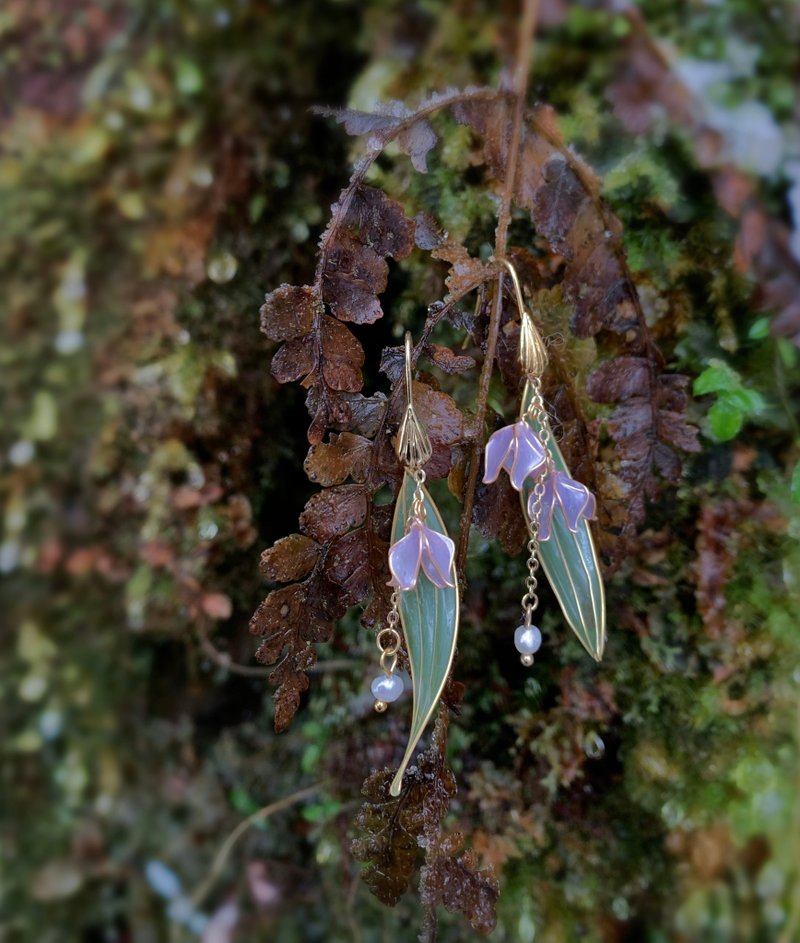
409	379
413	445
532	352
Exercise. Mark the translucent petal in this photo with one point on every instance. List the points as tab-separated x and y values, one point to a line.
437	558
574	499
529	455
404	558
497	448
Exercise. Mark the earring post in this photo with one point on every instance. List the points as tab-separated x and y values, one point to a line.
409	347
413	445
532	352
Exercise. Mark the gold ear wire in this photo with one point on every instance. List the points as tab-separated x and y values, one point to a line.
532	352
413	445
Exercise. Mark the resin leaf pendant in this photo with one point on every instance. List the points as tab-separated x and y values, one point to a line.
569	558
429	619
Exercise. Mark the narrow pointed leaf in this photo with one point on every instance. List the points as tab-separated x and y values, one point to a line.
571	565
429	617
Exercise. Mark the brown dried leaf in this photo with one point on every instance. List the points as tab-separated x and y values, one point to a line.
355	274
457	884
493	124
649	422
275	618
466	272
620	378
444	423
347	565
389	831
366	227
379	223
364	413
345	456
294	359
448	360
291	680
342	357
428	233
290	558
562	194
359	123
448	879
393	831
288	312
497	515
334	511
416	141
291	619
443	420
567	212
393	360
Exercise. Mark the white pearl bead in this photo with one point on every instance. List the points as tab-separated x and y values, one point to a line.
387	688
527	641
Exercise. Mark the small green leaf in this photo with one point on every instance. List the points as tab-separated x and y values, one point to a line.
748	401
716	378
429	617
759	329
572	568
725	419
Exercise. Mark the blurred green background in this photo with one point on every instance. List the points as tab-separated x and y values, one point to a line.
160	171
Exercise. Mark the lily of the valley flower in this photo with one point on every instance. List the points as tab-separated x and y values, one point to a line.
575	500
516	448
424	547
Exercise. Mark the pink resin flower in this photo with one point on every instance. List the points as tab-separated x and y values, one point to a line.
424	547
516	448
574	499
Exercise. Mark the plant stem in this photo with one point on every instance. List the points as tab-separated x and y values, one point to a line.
221	857
519	88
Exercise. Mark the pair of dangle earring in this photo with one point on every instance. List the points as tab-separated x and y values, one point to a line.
557	508
425	600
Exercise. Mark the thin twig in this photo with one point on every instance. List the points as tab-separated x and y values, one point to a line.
224	660
220	858
519	90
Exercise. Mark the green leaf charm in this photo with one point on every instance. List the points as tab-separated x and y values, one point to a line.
570	562
429	617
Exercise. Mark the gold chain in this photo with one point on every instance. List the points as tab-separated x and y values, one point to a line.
418	502
388	639
535	410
